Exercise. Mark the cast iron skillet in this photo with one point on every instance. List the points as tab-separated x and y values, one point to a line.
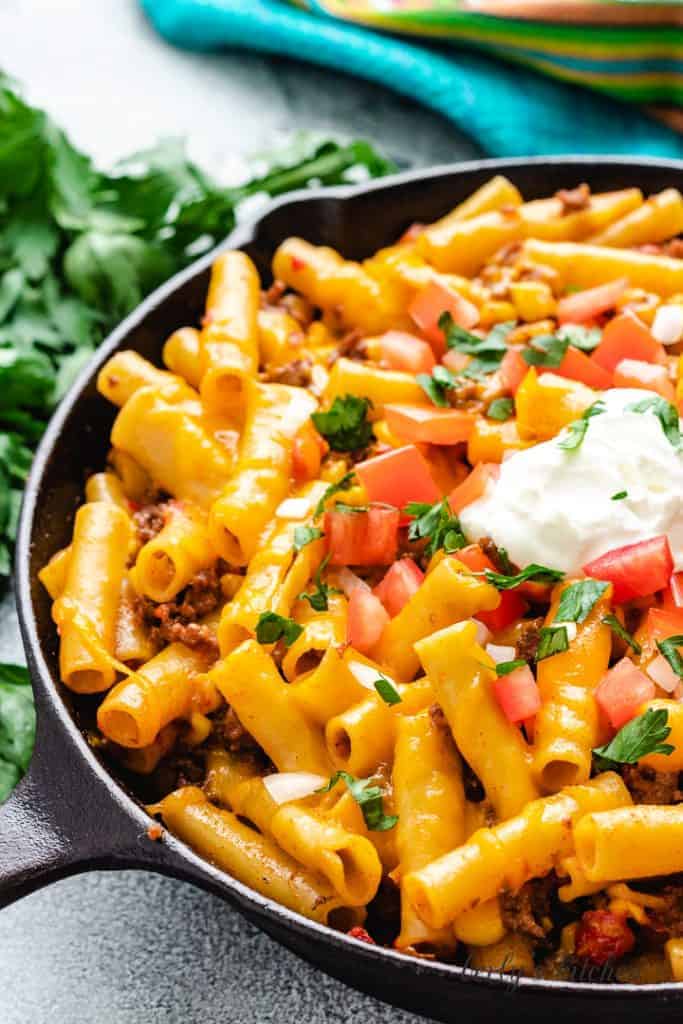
70	814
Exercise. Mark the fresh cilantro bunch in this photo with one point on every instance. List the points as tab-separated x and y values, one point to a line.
17	726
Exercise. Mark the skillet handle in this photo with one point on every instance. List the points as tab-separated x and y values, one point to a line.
62	819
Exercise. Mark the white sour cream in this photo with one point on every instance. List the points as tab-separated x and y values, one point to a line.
555	507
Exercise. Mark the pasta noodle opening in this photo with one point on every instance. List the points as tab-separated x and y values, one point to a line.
122	728
340	745
308	661
558	774
85	680
162	572
230	547
354	877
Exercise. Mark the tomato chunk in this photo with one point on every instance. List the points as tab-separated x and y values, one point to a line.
366	619
518	694
590	302
423	424
398	477
430	303
367	537
635	570
307	452
636	373
602	937
512	606
473	486
576	365
403	351
664	622
399	584
512	370
627	337
621	692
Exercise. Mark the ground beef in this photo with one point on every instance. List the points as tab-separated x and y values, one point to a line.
228	728
177	621
351	345
500	561
672	248
528	640
529	910
648	786
667	922
297	373
149	521
273	295
465	395
574	199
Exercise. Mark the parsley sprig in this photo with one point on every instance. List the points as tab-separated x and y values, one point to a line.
666	413
436	384
345	425
641	736
501	409
576	431
552	640
578	599
344	484
531	573
369	798
438	523
613	622
504	668
304	535
669	649
272	627
387	690
318	598
487	353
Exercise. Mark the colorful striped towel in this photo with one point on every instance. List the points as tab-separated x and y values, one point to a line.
631	49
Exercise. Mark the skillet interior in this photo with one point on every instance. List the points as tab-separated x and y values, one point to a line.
356	221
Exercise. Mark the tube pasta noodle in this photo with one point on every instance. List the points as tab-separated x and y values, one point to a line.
255	589
462	675
228	344
567	725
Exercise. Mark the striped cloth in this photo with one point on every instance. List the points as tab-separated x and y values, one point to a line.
630	49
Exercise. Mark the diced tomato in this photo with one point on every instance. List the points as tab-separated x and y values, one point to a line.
627	337
357	932
518	694
586	304
366	619
603	937
307	452
455	361
403	351
621	692
430	303
398	477
512	370
398	585
636	373
512	605
411	233
673	595
368	537
635	570
424	424
664	622
473	486
576	365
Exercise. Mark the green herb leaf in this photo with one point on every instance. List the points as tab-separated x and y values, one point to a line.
304	535
576	431
437	384
577	600
272	627
584	338
504	668
613	622
666	413
501	409
344	484
17	726
345	425
387	691
318	599
552	640
619	496
369	798
487	352
641	736
436	522
532	573
669	649
546	350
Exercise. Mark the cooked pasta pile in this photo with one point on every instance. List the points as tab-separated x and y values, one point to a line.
380	584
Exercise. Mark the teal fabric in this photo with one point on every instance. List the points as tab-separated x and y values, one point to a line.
507	110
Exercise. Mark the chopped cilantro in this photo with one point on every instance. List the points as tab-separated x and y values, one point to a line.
345	425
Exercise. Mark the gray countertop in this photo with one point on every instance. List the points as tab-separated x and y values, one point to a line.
133	948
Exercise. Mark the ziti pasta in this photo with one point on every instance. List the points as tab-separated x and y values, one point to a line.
382	587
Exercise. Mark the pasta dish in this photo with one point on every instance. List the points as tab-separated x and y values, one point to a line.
381	587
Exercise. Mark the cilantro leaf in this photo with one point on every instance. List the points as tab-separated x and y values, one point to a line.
669	649
613	622
552	640
17	726
318	598
387	691
345	425
546	350
272	627
641	736
436	384
304	535
584	338
504	668
344	484
436	522
369	799
532	573
619	496
666	413
577	600
487	352
576	431
501	409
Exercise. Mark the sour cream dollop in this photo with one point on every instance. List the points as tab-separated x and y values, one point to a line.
556	507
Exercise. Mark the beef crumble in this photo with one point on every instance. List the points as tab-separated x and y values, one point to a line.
529	910
149	520
296	374
648	786
177	621
528	640
574	199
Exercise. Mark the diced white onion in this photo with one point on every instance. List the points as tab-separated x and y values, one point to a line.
286	786
319	379
483	633
293	508
667	326
569	626
366	675
348	581
500	652
662	673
